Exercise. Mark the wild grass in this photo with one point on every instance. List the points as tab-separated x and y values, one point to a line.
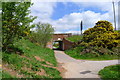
75	38
27	65
110	72
76	53
6	75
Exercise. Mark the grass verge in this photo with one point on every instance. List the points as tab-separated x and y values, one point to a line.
110	72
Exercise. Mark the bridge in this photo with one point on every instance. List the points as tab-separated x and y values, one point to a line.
64	44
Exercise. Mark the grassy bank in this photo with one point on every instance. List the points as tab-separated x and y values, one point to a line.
77	53
75	38
34	62
110	72
6	75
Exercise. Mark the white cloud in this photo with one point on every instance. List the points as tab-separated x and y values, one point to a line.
74	32
43	10
119	15
71	22
103	6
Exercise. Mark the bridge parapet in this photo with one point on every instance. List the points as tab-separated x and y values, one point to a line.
57	37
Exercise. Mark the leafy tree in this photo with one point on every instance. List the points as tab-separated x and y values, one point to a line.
101	35
43	34
15	21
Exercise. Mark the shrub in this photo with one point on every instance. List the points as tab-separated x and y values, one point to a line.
104	24
43	34
101	35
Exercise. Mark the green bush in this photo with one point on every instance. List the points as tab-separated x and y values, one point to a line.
43	34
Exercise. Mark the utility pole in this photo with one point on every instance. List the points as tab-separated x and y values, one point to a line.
81	27
114	15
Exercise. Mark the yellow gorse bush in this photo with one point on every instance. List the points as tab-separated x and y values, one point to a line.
101	35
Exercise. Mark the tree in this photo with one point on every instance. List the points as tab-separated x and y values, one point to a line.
43	34
102	35
15	21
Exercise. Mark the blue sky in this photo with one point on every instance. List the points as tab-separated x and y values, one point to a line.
65	17
62	9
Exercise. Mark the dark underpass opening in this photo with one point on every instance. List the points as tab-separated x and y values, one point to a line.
58	45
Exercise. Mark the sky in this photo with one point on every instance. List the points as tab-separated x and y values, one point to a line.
65	16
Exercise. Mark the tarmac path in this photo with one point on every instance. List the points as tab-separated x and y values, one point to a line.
81	68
